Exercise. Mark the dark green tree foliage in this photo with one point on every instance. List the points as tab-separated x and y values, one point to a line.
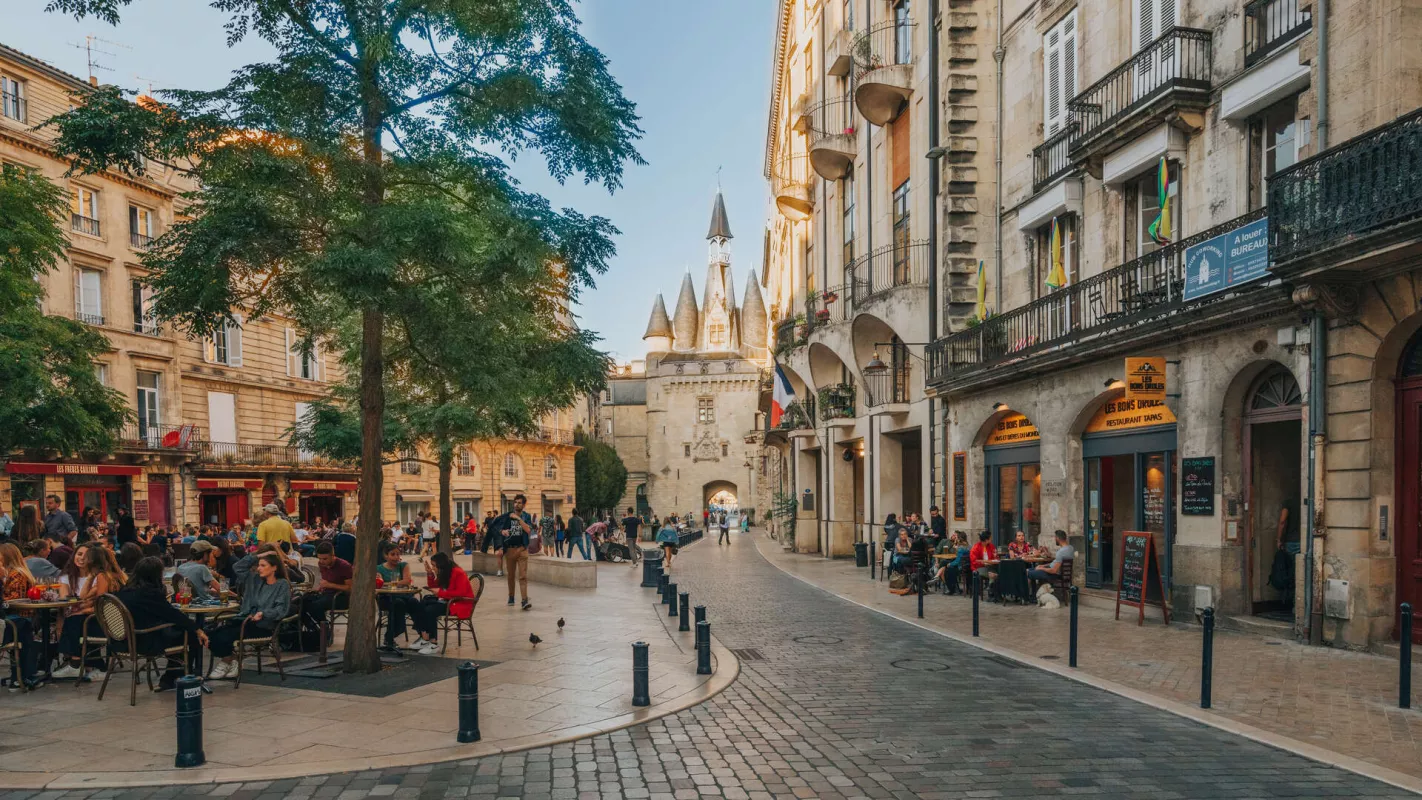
50	396
346	177
601	475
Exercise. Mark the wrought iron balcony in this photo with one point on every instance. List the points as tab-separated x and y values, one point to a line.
799	415
83	224
1050	160
261	455
790	334
790	184
1171	72
1363	191
13	106
1149	288
829	307
89	319
140	241
146	436
883	68
831	137
836	402
1271	24
889	267
886	386
147	328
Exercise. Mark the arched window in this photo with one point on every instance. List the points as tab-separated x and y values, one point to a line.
1276	389
510	465
1411	366
550	468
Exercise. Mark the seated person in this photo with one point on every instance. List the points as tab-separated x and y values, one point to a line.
918	556
345	542
454	594
982	553
266	601
1019	547
951	570
1064	552
395	572
16	580
903	545
37	560
333	588
197	571
147	600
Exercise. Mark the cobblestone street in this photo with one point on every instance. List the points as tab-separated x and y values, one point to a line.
836	701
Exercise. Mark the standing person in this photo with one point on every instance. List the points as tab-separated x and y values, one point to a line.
668	539
577	535
725	530
273	528
515	526
57	522
630	524
126	531
28	528
560	532
548	531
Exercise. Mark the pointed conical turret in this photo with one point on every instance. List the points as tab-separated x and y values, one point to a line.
659	328
688	318
720	225
755	326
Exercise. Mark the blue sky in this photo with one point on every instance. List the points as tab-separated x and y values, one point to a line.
698	70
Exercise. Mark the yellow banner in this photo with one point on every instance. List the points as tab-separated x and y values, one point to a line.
1014	428
1145	378
1127	413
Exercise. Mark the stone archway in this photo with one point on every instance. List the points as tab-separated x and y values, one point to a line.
719	493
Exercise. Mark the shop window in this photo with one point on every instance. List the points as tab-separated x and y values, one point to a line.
1273	145
1143	208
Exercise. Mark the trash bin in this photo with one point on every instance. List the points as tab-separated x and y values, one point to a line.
651	559
861	554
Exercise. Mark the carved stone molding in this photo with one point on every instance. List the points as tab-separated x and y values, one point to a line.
1335	300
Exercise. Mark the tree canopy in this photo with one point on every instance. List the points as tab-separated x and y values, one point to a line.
601	475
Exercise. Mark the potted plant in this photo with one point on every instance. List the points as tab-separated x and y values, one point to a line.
822	315
830	297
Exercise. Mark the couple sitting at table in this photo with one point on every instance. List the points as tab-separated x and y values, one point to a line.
453	594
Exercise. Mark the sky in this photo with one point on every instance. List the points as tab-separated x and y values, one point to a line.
698	70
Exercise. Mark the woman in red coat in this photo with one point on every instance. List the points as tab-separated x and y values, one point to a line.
454	595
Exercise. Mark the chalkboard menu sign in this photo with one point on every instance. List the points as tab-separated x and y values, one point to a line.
1139	581
1197	486
960	485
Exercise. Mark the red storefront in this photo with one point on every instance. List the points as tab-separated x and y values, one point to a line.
226	501
105	487
324	499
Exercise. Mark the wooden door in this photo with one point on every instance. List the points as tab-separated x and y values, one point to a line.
1409	497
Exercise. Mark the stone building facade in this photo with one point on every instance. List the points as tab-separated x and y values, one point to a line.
685	420
208	439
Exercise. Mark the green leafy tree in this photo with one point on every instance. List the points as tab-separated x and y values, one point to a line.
335	177
50	396
601	475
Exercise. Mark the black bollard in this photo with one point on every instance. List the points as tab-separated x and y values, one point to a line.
685	612
1404	641
873	558
189	692
662	582
703	648
671	600
974	582
1207	660
640	694
468	702
700	614
920	596
1071	652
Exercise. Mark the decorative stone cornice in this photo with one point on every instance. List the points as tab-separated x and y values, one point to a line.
1335	300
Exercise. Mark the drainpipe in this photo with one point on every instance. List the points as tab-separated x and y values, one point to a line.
1321	7
934	156
1318	427
999	53
869	484
868	162
824	185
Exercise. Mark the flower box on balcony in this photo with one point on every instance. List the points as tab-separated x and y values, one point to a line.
830	297
822	315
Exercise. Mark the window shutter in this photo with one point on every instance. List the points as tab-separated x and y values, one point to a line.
1052	84
292	367
209	348
1145	23
234	341
320	358
1068	61
78	291
899	149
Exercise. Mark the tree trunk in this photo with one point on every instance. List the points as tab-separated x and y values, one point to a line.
446	469
360	650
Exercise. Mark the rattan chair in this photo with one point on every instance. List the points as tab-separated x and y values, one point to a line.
117	624
448	622
270	643
12	647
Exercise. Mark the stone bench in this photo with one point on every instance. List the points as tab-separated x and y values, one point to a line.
572	574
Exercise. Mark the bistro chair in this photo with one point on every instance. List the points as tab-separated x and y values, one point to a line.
117	624
458	624
12	647
269	643
1061	583
182	551
88	638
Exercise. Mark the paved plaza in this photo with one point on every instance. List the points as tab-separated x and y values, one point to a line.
837	701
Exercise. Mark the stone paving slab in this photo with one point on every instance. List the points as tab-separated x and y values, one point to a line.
830	711
573	685
1339	702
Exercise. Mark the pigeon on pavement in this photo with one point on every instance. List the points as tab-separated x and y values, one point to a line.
533	637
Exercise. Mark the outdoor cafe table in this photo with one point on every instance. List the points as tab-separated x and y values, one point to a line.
198	612
46	610
1012	579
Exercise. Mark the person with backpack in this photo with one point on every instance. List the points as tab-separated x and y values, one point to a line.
516	528
725	530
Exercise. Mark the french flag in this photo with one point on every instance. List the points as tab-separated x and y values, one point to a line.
781	398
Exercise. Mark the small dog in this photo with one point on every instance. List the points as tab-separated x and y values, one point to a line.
1045	598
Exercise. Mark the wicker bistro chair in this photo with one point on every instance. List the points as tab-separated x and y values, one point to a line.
450	623
12	647
270	643
117	623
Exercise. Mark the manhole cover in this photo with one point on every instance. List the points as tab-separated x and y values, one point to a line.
917	665
818	639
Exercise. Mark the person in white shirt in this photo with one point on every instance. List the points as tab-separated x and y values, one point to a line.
301	532
429	532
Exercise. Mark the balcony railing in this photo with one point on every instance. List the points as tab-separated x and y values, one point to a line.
548	435
799	415
883	45
140	241
235	454
836	402
89	319
887	268
83	224
790	334
1050	160
1149	287
887	386
1366	184
1178	60
834	117
13	106
1271	24
147	328
145	436
829	307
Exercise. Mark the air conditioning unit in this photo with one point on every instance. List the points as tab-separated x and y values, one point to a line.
1204	598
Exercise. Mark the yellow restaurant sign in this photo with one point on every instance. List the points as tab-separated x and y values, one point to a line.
1145	378
1127	413
1014	428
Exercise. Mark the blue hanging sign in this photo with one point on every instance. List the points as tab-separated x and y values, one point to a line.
1227	260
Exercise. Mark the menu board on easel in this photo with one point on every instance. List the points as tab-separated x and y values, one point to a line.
960	485
1139	583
